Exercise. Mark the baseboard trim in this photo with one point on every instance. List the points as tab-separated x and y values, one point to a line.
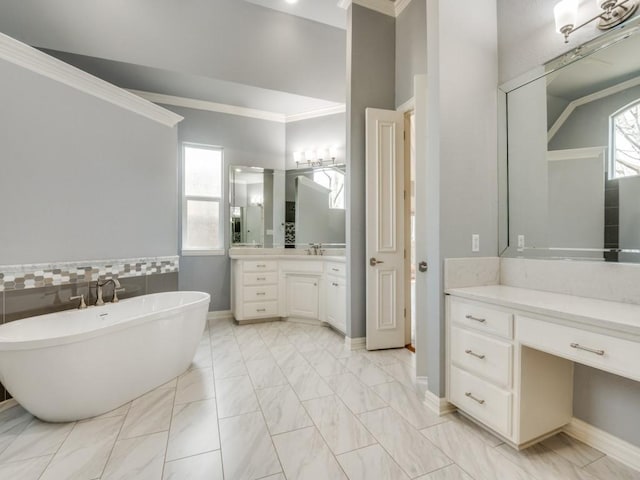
438	405
219	315
355	343
614	447
7	404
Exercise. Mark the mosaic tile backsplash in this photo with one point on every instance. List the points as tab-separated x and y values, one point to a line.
21	277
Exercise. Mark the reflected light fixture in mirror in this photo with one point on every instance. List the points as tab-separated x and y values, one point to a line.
313	157
614	12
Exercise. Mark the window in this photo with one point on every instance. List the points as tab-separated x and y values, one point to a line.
202	222
334	181
625	141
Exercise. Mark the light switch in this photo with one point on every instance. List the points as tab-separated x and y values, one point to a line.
520	243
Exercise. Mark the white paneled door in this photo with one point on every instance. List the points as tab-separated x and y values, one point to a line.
385	229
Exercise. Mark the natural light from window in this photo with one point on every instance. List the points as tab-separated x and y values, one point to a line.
625	141
334	181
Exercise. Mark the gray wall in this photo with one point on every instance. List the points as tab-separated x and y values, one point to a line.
247	142
319	132
461	180
411	40
226	39
527	40
370	83
81	178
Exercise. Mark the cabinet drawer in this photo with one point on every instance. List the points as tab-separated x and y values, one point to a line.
259	265
479	398
269	278
261	309
612	354
261	293
301	266
482	318
482	355
336	269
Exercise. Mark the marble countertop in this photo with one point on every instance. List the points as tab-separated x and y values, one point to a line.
331	255
613	316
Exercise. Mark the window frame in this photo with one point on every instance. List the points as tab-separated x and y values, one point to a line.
612	140
221	250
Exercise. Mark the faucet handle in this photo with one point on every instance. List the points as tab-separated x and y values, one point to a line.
82	305
115	298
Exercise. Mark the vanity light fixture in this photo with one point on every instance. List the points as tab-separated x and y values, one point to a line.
614	12
315	157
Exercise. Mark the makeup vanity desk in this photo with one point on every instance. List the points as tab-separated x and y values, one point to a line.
510	354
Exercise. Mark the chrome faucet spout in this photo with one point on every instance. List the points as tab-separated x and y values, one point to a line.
116	286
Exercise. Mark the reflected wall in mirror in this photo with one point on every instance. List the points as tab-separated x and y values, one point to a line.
315	206
257	206
574	155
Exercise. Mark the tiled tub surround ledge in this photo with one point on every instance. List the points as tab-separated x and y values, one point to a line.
20	277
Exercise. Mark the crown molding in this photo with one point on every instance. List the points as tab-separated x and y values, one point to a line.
235	110
321	112
382	6
32	59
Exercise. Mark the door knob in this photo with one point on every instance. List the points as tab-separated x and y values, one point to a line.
373	262
422	266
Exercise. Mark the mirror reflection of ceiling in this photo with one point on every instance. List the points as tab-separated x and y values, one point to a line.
604	68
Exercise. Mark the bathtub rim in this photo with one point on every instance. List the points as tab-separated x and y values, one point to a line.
22	345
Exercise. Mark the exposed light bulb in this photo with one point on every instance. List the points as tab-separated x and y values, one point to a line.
566	15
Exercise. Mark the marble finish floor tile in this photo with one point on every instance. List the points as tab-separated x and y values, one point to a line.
473	455
368	373
573	450
544	464
207	466
452	472
308	384
235	396
85	451
140	458
150	413
13	421
357	396
324	363
229	367
247	449
485	435
407	403
341	430
265	373
607	468
25	469
402	372
282	410
370	462
413	452
37	440
305	456
194	430
194	385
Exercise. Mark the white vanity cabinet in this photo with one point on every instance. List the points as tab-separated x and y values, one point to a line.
510	359
254	289
302	296
336	296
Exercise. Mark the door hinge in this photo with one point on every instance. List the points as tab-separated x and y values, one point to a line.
405	253
405	312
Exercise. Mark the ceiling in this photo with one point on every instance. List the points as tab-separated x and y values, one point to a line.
322	11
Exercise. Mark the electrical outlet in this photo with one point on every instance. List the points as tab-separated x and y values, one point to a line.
475	242
520	243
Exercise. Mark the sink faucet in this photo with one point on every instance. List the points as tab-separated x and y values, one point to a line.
116	288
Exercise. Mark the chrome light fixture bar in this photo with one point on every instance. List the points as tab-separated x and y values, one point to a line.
316	158
614	12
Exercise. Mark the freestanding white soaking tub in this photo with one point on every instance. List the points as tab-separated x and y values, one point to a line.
81	363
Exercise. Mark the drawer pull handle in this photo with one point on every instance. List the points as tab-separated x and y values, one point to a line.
474	354
476	319
577	346
335	269
261	278
261	266
334	284
261	293
475	399
261	309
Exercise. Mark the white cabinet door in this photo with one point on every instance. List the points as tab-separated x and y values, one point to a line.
337	302
302	296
